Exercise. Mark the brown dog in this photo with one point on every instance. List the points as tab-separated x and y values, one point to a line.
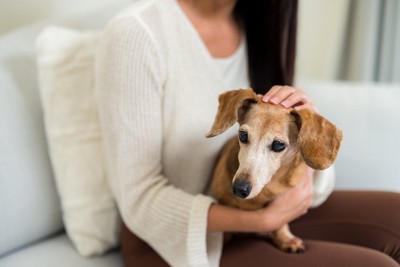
271	153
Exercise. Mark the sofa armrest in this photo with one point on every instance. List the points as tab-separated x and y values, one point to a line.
29	204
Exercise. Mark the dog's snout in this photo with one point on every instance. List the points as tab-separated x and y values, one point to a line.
241	188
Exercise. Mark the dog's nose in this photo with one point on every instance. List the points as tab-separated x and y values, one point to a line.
241	189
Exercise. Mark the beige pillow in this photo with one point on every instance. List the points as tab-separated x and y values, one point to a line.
66	79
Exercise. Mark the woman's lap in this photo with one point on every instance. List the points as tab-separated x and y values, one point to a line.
354	228
362	218
350	229
253	251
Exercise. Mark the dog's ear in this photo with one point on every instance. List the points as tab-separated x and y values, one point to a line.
318	140
233	105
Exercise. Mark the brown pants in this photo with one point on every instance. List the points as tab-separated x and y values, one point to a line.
352	228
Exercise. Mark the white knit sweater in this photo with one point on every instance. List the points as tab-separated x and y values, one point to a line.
157	90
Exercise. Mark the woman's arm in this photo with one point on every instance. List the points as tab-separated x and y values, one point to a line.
129	89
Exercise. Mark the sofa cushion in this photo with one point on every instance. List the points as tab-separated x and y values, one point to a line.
29	205
57	251
369	115
66	81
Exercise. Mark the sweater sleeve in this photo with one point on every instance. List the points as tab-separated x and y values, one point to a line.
129	89
323	185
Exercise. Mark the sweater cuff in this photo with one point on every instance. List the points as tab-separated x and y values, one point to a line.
323	185
199	253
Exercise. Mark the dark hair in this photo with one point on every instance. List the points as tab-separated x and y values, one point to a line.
270	27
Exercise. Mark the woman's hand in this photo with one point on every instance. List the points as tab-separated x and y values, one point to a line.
290	205
288	96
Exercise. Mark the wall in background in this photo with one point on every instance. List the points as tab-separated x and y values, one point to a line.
356	40
18	13
321	27
336	39
321	32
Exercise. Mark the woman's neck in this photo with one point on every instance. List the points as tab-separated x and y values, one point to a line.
210	9
215	22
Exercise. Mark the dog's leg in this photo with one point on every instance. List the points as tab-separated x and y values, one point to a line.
286	241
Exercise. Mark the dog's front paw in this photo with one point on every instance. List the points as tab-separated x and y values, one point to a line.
286	241
292	245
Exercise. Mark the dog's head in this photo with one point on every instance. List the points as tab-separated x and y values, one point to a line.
270	136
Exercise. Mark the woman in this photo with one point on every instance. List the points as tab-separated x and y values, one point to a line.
160	68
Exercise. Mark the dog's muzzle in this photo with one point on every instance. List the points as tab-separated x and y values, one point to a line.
241	189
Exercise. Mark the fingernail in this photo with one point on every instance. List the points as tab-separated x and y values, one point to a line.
274	100
266	98
285	104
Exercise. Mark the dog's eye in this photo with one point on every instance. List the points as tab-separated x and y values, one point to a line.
243	137
278	146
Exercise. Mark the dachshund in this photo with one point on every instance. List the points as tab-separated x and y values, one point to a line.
273	148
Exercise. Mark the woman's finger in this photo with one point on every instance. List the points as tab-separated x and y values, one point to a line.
283	93
271	92
297	98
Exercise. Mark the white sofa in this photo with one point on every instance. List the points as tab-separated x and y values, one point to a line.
31	228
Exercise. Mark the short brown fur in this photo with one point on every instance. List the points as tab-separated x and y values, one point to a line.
311	140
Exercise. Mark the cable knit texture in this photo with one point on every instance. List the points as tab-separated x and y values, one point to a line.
156	103
157	91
